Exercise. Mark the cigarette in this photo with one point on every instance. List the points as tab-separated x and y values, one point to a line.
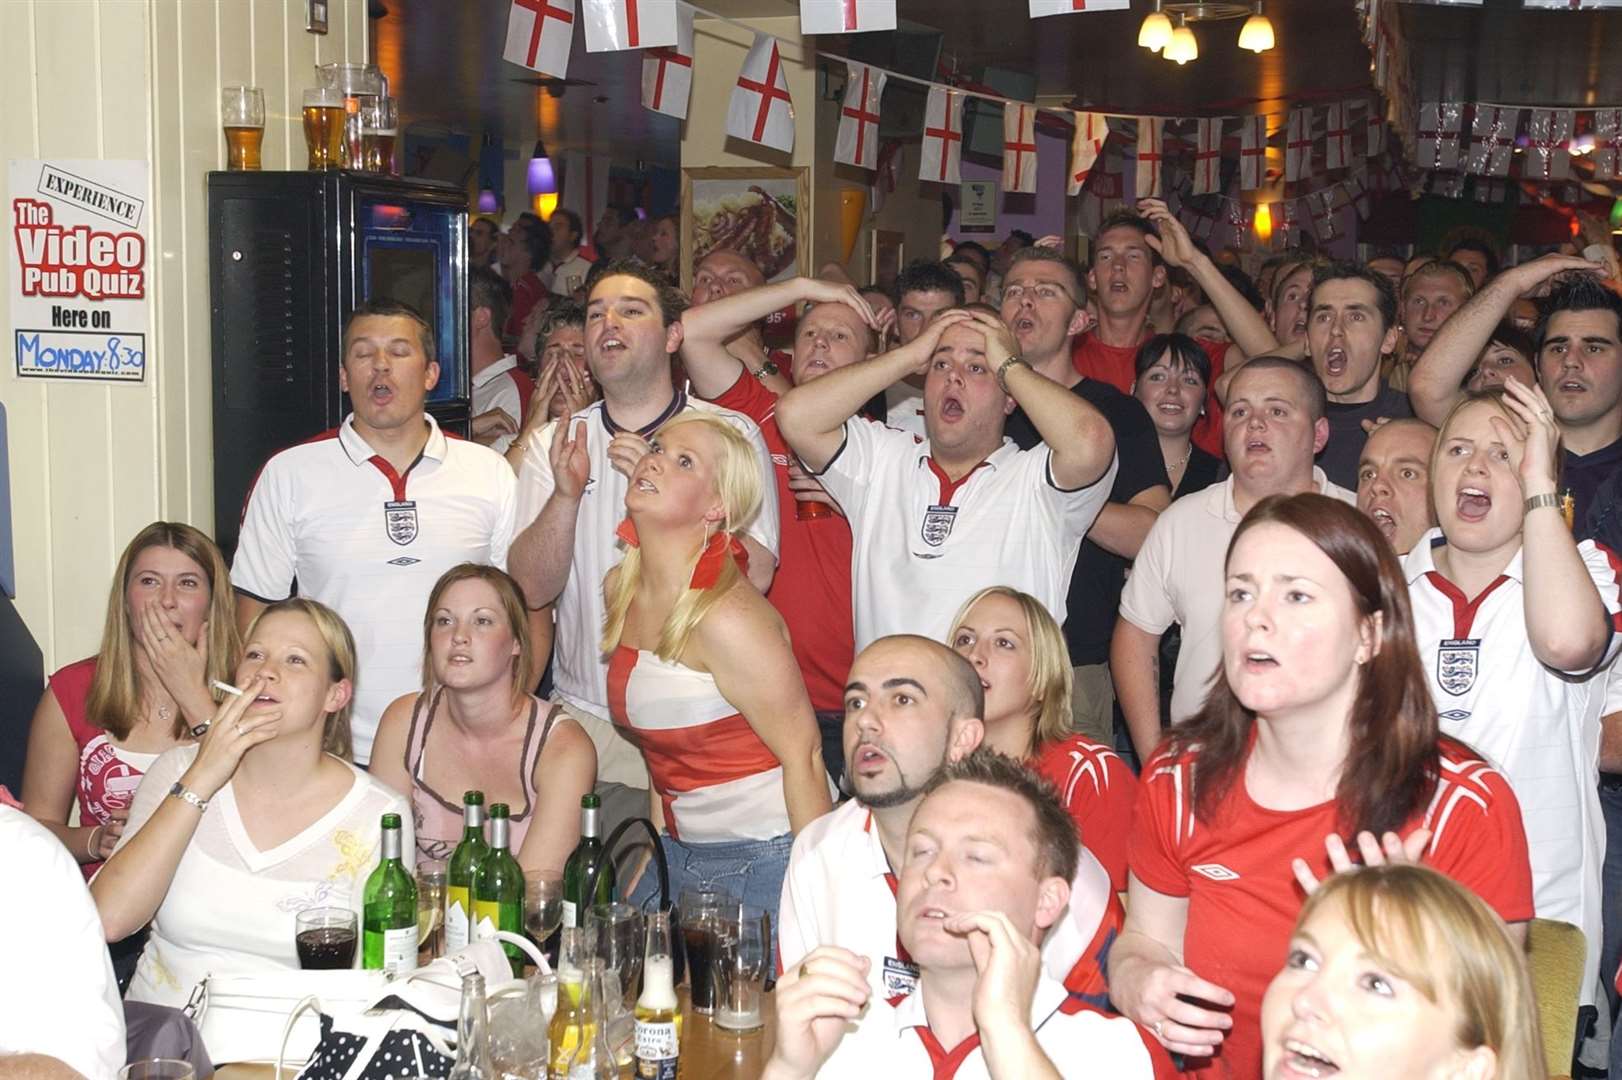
225	686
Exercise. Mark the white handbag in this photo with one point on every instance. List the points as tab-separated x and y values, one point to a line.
275	1017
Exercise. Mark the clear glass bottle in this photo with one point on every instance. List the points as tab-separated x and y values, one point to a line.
658	1022
574	953
472	1033
593	1057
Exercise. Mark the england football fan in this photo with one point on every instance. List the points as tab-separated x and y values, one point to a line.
989	853
1393	481
1477	257
565	386
483	235
1579	365
1509	352
526	251
567	541
968	271
1275	424
931	522
1431	293
1043	304
1388	267
1203	324
912	706
1516	620
1318	726
364	518
1351	323
501	389
1172	383
1018	652
923	290
569	266
722	273
811	590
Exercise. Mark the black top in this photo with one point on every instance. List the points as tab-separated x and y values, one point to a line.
1202	471
1595	482
1338	458
1095	585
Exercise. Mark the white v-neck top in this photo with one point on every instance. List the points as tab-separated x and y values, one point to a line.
230	908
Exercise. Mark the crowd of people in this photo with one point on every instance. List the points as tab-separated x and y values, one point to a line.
1121	668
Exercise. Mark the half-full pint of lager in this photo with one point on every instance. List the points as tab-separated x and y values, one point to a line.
324	127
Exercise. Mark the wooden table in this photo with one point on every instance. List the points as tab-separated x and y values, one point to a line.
707	1052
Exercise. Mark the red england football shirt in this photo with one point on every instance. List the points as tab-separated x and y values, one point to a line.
1101	794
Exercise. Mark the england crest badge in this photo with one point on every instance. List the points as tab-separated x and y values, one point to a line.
400	521
938	524
1457	661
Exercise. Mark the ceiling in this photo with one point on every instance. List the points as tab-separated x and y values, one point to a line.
445	64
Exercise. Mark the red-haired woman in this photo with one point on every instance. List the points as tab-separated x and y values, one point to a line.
1319	727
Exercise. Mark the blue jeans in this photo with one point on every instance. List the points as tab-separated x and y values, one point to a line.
1610	802
751	870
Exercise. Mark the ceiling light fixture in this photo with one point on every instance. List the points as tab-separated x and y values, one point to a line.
1182	47
543	180
1257	33
1264	222
1155	33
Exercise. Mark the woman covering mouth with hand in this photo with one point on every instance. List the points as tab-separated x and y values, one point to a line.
1318	735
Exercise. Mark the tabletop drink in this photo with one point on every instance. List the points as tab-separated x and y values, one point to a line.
498	888
587	853
459	876
658	1023
472	1033
242	115
389	916
324	128
569	1021
593	1057
430	910
325	939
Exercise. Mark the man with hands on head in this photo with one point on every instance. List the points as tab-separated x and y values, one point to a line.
931	522
811	590
989	854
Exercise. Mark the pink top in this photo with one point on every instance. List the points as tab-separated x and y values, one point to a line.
108	775
438	820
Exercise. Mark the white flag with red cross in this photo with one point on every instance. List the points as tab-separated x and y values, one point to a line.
539	34
940	157
667	71
761	110
1040	8
612	25
1338	135
1436	145
1607	129
1375	126
1252	152
1574	5
858	140
846	16
1085	145
1151	147
1019	147
1298	145
1207	156
1494	140
1548	153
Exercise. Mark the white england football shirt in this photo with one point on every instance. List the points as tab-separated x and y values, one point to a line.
1177	578
1538	727
923	544
334	518
494	388
579	668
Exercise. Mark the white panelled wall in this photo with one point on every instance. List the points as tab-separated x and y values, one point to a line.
91	463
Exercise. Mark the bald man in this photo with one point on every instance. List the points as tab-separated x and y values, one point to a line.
912	705
1393	481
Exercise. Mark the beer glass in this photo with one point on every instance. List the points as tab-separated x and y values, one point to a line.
698	911
242	114
379	122
743	954
324	127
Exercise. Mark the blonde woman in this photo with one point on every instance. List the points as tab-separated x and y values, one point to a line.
1019	653
1396	970
263	817
701	677
474	719
102	721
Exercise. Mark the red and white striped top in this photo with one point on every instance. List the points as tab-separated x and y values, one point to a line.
719	782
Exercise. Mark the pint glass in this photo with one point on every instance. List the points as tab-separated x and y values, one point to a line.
324	127
378	126
242	114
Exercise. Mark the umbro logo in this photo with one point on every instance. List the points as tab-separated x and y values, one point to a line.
404	560
1215	871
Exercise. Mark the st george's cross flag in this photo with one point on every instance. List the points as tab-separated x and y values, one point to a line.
1338	135
846	16
1018	147
612	25
1039	8
1493	130
1298	145
539	34
940	156
667	71
760	109
1085	146
1252	152
1548	151
858	140
1151	149
1574	5
1207	156
1607	131
1436	143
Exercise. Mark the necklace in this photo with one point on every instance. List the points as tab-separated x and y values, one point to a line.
1177	470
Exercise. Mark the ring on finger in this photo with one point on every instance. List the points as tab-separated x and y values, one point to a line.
1155	1027
805	968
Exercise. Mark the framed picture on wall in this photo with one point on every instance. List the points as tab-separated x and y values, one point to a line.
886	256
763	213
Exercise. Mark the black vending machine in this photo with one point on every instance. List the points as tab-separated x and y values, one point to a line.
290	255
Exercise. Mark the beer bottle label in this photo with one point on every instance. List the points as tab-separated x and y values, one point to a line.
656	1050
456	917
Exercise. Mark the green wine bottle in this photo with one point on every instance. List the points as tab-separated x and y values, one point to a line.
389	918
459	875
581	862
498	889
